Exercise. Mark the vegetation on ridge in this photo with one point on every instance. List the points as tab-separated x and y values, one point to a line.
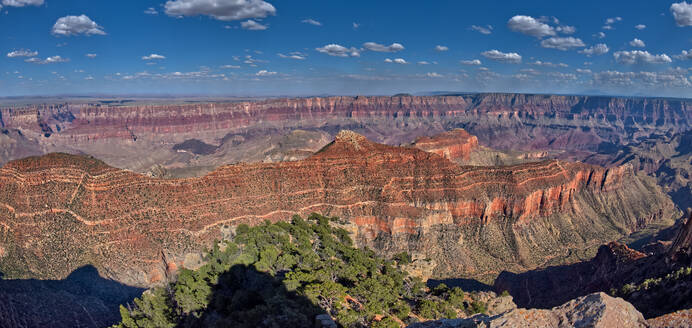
284	274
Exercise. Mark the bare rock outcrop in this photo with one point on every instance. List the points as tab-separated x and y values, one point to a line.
596	310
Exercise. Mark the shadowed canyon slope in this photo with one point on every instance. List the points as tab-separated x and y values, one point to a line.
142	137
59	212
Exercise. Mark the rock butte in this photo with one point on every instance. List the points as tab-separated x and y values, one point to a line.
59	212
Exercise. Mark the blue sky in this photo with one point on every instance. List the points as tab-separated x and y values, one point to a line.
281	47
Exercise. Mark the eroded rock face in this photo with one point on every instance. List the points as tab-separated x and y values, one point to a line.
139	137
59	211
455	145
596	310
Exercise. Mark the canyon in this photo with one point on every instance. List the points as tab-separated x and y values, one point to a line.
59	212
149	138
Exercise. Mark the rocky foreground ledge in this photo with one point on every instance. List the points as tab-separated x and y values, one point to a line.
597	310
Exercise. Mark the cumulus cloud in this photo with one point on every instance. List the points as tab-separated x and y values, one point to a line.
685	55
682	12
612	20
562	43
339	51
599	35
230	66
394	47
441	48
640	26
396	61
549	64
433	75
294	55
583	71
423	62
153	57
253	25
224	10
264	72
21	3
151	11
671	78
471	62
76	25
496	55
566	29
311	22
22	53
639	56
598	49
49	60
92	56
530	26
483	30
637	43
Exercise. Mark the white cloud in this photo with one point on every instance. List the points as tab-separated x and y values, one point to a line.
562	43
230	66
530	26
684	55
224	10
682	12
670	78
433	75
339	51
640	26
548	64
598	49
76	25
355	25
49	60
441	48
394	47
22	53
599	35
496	55
21	3
637	43
294	55
638	56
153	57
92	56
583	71
612	20
253	25
483	30
311	22
423	62
471	62
396	61
151	11
264	72
89	77
566	29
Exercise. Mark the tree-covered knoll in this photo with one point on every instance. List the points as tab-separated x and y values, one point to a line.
284	274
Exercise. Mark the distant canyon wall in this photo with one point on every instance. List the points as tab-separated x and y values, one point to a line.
501	121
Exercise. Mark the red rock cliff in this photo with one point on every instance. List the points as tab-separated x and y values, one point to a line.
59	211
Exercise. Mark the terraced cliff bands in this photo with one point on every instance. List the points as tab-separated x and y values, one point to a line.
59	212
123	135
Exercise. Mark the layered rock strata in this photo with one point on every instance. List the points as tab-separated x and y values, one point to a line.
59	212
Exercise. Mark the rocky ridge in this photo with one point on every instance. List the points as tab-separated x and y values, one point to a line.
59	211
